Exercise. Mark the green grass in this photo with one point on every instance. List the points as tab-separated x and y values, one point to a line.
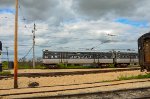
63	66
39	67
24	67
5	65
111	66
31	67
125	77
5	73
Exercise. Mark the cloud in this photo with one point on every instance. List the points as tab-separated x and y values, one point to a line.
110	9
75	24
7	3
39	10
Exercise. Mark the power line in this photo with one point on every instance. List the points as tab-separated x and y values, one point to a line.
27	53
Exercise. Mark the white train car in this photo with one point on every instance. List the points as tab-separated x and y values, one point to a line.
82	58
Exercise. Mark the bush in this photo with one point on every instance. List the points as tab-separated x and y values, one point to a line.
5	65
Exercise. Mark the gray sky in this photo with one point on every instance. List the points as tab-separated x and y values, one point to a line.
74	24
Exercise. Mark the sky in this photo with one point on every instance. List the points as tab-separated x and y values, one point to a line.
73	25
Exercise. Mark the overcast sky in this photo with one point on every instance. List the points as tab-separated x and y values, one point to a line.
74	24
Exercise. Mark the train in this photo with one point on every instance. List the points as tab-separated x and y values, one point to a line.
92	58
144	51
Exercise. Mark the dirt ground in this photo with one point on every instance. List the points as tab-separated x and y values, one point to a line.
62	70
65	80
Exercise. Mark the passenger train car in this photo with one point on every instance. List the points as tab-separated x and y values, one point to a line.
99	59
144	51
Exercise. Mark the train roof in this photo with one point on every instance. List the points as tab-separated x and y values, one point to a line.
75	51
146	35
88	51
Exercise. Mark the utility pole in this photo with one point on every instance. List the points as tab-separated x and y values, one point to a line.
33	31
0	56
16	48
114	54
7	55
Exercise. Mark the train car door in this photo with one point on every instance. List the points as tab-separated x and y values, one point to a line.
63	57
147	51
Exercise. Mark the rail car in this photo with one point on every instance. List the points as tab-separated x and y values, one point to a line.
98	59
144	51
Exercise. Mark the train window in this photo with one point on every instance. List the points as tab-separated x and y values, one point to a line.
85	57
78	53
78	57
46	57
74	57
136	56
71	57
46	53
52	57
56	56
90	56
139	47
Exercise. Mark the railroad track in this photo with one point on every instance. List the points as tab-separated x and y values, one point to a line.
116	94
55	74
130	93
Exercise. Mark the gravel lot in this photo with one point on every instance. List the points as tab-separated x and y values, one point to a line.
73	84
63	70
66	80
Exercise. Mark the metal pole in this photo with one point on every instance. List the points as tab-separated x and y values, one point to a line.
7	55
16	48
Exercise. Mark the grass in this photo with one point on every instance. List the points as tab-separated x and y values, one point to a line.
5	65
111	66
125	77
39	67
31	67
63	66
5	73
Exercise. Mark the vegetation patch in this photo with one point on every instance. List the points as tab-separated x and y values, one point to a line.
5	73
111	66
64	66
5	65
31	67
140	76
125	77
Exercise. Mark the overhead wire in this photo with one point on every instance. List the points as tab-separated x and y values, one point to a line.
27	53
76	39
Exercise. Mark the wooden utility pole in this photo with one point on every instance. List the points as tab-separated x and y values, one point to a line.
16	48
34	45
